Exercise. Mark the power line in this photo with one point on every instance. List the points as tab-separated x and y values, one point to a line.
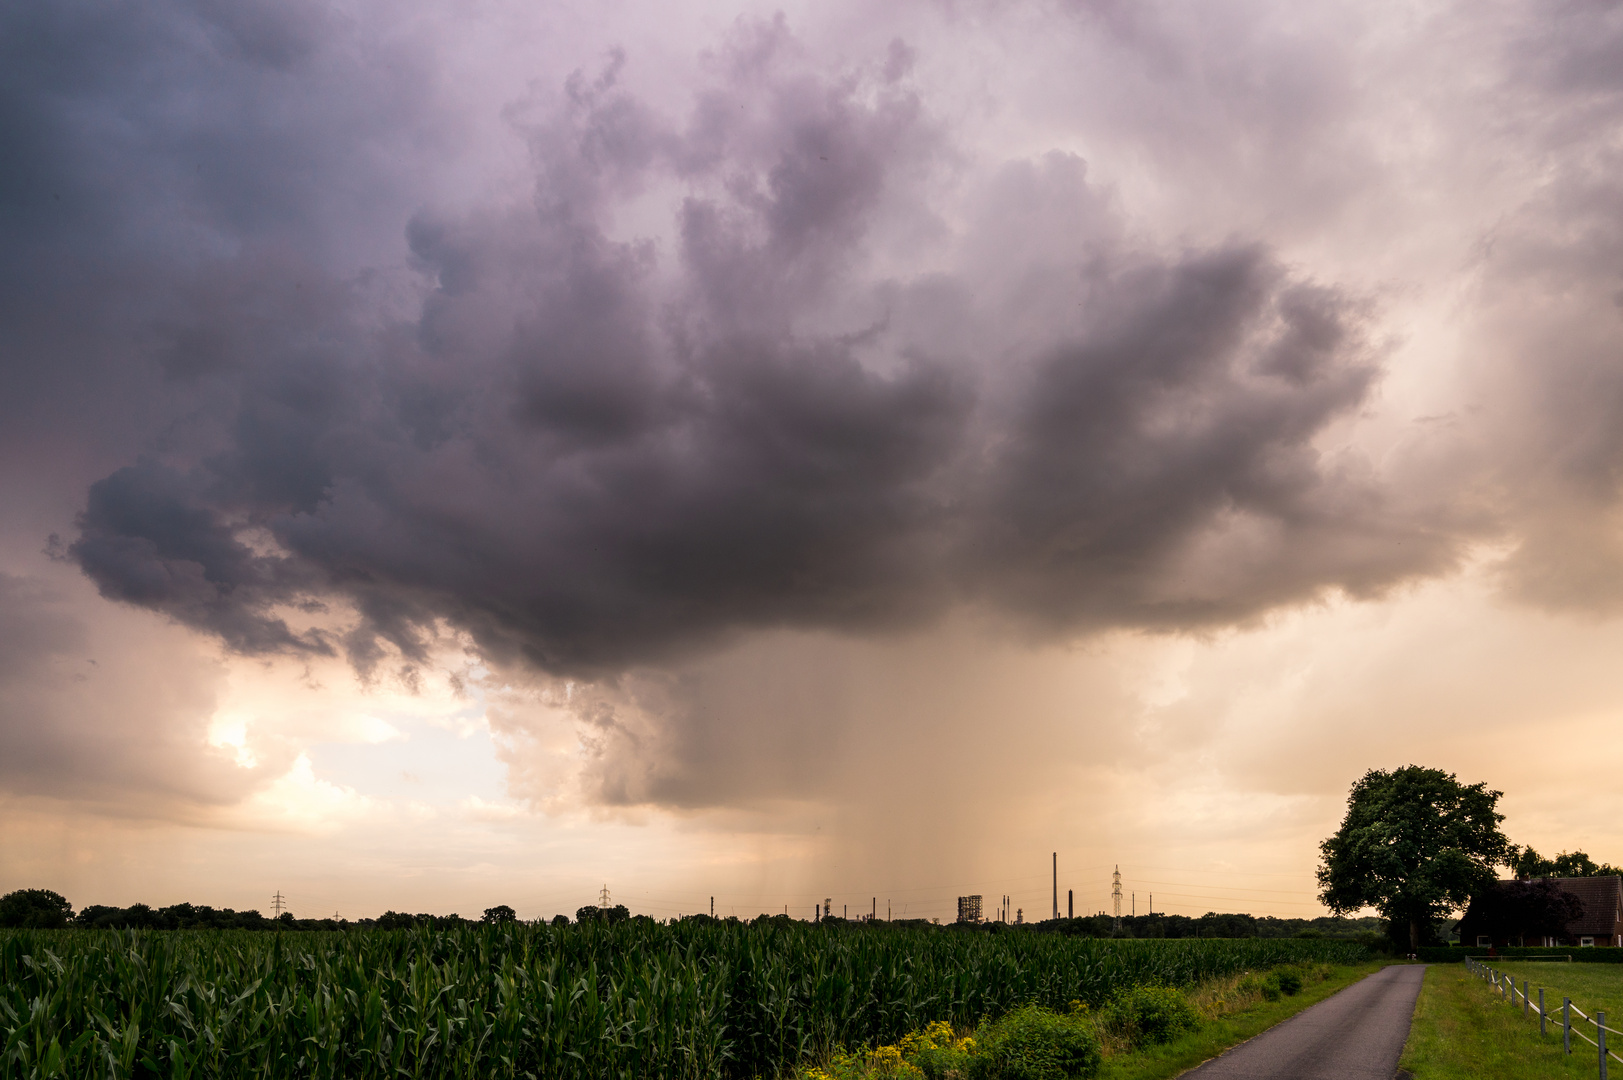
1230	888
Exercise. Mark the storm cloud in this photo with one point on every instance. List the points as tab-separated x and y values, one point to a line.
831	387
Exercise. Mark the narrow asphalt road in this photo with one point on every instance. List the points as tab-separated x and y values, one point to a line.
1357	1034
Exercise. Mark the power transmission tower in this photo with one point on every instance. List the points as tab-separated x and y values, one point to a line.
603	899
1115	895
278	904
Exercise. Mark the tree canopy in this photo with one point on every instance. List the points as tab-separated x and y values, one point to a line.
1523	909
1528	863
36	909
617	913
1416	844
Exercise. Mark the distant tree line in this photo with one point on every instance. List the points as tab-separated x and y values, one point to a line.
1213	924
190	917
43	909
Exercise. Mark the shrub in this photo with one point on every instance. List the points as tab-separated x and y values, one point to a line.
1147	1015
938	1052
1033	1043
1282	981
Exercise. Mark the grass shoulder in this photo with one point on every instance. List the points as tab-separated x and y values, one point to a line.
1231	1014
1462	1030
1142	1033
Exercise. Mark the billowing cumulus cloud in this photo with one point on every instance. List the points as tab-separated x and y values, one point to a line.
829	389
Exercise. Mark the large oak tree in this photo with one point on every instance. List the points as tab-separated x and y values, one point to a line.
1415	845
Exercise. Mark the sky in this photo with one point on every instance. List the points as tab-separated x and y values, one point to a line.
461	453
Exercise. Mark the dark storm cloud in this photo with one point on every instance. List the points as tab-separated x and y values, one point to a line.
151	538
1161	471
590	450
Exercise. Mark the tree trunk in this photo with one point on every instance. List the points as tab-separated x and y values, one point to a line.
1414	934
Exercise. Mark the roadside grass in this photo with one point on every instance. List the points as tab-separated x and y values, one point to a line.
1232	1011
1231	1008
1463	1031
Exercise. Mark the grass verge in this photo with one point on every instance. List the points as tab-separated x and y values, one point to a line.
1226	1011
1231	1016
1462	1031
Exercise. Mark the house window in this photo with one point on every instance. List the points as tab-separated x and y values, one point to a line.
1483	941
1586	943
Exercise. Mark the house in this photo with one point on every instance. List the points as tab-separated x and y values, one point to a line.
1600	924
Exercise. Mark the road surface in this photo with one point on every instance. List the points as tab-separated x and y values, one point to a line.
1356	1034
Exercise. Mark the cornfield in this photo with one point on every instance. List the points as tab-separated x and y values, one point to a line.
634	1000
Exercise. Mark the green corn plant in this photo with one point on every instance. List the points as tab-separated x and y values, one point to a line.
692	1000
